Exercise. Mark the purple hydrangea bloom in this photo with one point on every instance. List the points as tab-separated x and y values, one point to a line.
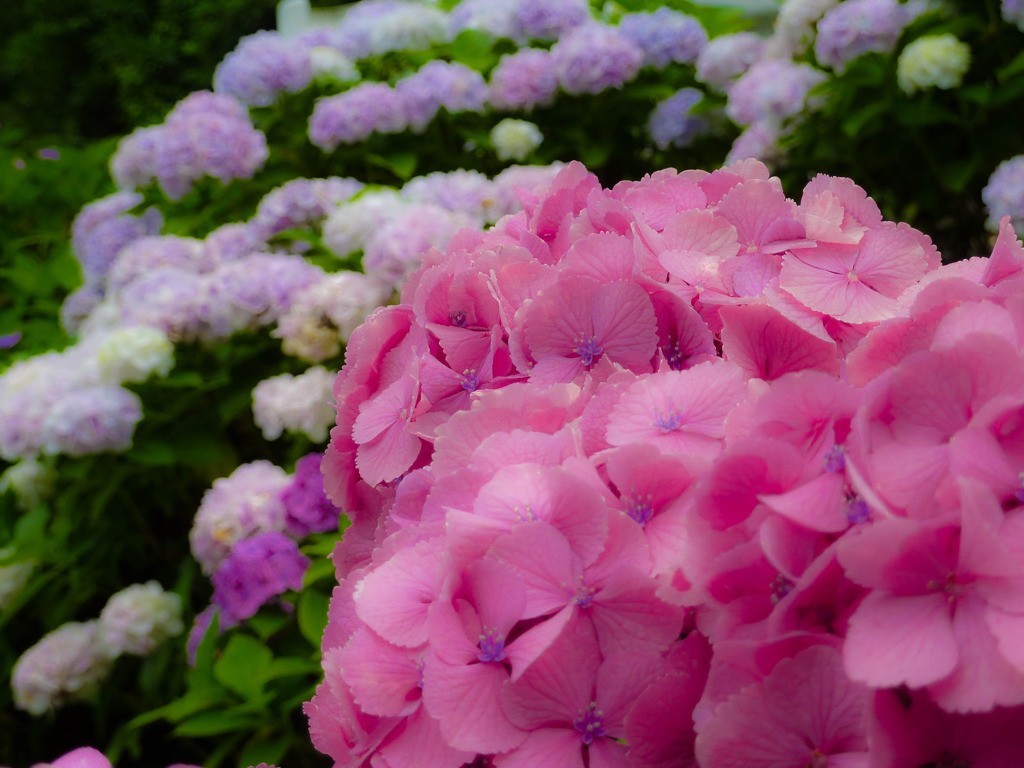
397	248
252	291
438	84
378	26
232	241
104	227
665	36
29	389
258	568
263	65
355	114
92	420
8	340
773	89
146	254
1004	193
523	80
205	103
300	203
236	507
1013	13
307	508
547	19
78	305
166	298
206	134
727	57
207	144
469	191
595	57
861	26
759	141
133	163
672	125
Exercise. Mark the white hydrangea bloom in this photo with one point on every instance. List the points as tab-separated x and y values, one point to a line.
934	61
349	227
303	403
67	662
515	139
324	315
134	353
330	64
140	617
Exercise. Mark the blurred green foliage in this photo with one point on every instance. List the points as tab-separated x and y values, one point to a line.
87	69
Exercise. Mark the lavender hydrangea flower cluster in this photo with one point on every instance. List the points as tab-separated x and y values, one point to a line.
70	402
302	404
439	84
353	115
236	507
665	36
307	508
1004	194
771	90
300	203
672	124
395	250
547	19
256	569
857	27
726	58
1013	12
206	134
595	57
376	27
461	190
794	26
146	254
104	227
523	80
261	67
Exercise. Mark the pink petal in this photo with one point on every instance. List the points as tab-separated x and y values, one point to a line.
465	701
421	744
545	748
894	640
384	679
624	324
766	345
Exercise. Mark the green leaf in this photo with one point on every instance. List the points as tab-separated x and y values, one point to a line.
1015	67
262	750
214	723
855	123
402	164
312	615
957	174
475	49
290	666
31	527
318	570
266	623
242	666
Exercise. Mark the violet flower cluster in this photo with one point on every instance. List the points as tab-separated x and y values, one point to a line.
1004	194
262	66
245	537
682	472
857	27
206	134
88	757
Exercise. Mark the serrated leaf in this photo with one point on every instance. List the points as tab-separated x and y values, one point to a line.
215	723
242	665
402	164
266	623
290	666
312	616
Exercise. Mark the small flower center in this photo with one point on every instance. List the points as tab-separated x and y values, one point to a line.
1019	494
469	380
588	349
835	459
856	508
668	421
674	356
818	760
584	595
950	586
588	723
639	508
492	646
780	587
458	318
